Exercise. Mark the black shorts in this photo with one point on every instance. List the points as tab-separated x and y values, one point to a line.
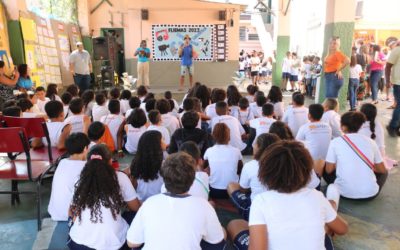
242	202
241	241
254	73
294	78
285	75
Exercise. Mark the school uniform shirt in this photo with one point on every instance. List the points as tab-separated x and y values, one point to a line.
164	132
110	234
67	111
40	104
354	178
294	220
124	105
63	188
245	116
99	111
170	122
279	110
333	119
132	137
261	125
147	189
55	129
223	162
29	115
286	65
210	111
250	98
234	111
113	122
193	219
256	110
255	64
128	113
89	108
249	178
294	69
295	117
76	122
236	130
316	137
200	187
379	133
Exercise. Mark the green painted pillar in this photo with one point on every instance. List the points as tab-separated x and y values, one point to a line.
339	22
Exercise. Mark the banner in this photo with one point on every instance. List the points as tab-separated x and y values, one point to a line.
168	38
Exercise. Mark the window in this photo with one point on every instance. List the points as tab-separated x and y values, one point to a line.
253	37
242	33
62	10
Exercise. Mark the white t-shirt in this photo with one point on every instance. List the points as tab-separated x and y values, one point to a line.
236	130
256	110
147	189
76	122
245	116
63	187
295	220
40	104
316	137
113	122
111	234
67	111
279	110
295	65
379	133
170	122
249	178
261	125
99	111
210	111
250	98
29	114
200	187
353	177
88	109
55	129
124	105
132	137
128	112
223	161
295	118
286	65
355	71
333	119
255	63
164	132
192	219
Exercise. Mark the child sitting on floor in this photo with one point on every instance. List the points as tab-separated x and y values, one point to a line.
99	133
296	116
66	98
136	125
79	121
134	102
40	93
263	123
115	122
100	107
124	100
332	117
155	124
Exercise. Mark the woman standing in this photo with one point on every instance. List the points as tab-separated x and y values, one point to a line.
334	63
7	85
377	64
354	81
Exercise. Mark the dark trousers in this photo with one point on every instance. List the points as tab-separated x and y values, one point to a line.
82	81
380	180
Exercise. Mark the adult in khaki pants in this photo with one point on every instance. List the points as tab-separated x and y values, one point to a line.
143	54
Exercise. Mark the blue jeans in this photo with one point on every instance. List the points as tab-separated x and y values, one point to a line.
394	123
353	86
82	81
332	85
374	77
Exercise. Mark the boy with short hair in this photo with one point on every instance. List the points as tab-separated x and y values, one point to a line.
168	96
262	124
236	129
315	135
14	111
152	228
296	116
66	175
78	120
99	133
168	121
115	122
100	107
134	102
217	95
41	98
331	116
245	115
155	124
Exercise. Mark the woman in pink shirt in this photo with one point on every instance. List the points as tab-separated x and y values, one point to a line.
376	67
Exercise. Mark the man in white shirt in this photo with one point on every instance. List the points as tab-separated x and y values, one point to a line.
80	66
315	135
286	66
168	121
262	124
195	222
237	131
296	116
331	116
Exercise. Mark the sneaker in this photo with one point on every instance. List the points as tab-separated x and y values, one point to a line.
392	132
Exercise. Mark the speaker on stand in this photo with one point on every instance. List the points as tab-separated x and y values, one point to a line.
105	56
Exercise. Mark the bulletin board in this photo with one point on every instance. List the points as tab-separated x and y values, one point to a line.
168	38
4	43
74	35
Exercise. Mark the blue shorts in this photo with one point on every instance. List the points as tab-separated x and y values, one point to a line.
285	75
294	78
242	202
241	241
186	68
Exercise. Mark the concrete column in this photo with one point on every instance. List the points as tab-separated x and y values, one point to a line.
340	17
283	40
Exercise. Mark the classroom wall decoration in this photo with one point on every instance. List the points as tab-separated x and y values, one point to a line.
4	45
168	38
221	42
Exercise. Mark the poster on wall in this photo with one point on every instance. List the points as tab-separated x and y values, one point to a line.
5	55
62	51
221	42
168	38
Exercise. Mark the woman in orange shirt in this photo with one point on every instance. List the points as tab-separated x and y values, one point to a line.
334	63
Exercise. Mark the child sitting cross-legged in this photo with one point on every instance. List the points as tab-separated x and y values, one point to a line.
115	122
289	215
78	120
136	125
154	117
184	221
99	133
101	195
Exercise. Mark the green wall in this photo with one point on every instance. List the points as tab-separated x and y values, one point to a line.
16	42
282	44
344	30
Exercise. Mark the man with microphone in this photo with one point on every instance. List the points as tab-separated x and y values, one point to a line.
186	53
143	54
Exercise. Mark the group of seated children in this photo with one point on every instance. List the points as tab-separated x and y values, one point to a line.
181	160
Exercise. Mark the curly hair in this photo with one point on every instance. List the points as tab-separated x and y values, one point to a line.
263	142
97	186
149	156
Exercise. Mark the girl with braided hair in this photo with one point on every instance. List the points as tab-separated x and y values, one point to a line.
99	199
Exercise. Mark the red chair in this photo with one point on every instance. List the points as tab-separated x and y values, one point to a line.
14	140
35	127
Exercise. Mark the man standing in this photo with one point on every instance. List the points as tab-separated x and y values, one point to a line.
80	66
186	53
392	75
143	54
